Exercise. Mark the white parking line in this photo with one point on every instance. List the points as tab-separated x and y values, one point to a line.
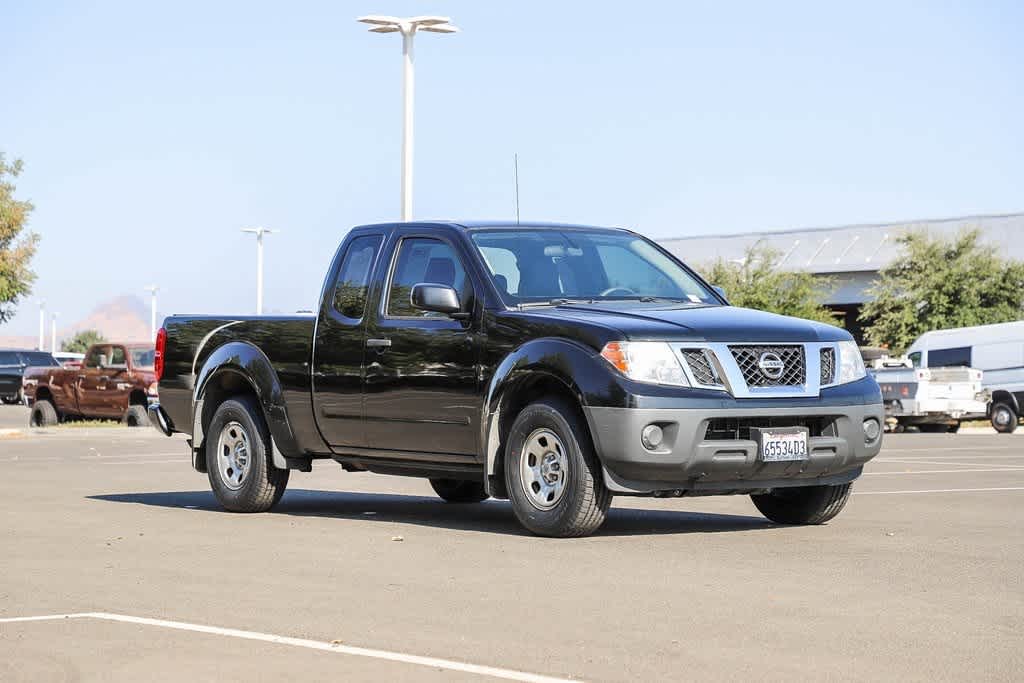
945	448
883	493
451	665
918	461
994	469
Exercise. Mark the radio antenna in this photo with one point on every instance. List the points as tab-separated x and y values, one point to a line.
515	162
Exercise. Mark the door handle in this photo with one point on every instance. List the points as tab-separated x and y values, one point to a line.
378	343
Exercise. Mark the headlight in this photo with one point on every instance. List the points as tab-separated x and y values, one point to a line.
653	362
851	365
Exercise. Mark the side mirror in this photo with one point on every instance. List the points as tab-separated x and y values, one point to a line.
721	292
436	298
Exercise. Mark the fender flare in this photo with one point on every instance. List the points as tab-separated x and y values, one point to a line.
248	361
1005	396
578	368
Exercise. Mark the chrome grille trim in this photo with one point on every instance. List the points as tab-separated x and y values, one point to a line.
731	379
748	358
828	365
701	367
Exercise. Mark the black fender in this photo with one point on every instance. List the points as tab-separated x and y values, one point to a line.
1004	396
581	371
248	361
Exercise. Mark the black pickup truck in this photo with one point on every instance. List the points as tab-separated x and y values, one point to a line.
553	365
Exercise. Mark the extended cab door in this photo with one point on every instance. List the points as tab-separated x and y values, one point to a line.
338	349
91	390
422	391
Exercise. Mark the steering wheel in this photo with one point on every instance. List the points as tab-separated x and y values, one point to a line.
624	290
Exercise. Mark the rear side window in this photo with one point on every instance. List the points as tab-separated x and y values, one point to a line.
945	358
353	279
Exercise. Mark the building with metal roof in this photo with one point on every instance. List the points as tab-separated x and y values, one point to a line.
851	255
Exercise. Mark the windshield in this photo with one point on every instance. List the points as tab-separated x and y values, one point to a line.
142	358
545	264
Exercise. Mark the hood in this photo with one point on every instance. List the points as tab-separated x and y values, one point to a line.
688	323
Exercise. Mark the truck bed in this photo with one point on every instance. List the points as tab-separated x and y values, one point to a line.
285	341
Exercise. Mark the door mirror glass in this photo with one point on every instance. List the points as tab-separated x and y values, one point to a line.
436	298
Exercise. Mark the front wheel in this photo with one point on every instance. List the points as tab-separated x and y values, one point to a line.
459	491
803	504
238	458
552	473
43	414
1004	418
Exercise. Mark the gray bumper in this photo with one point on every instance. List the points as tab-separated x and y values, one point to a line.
688	462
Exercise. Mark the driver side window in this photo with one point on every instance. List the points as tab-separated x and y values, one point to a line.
423	260
96	355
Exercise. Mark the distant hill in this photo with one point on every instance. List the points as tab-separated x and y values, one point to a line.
125	318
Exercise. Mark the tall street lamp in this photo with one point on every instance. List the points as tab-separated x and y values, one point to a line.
53	333
42	324
152	289
408	28
259	232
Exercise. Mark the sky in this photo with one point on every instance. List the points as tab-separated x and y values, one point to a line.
153	132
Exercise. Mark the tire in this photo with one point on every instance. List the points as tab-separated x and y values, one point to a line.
459	491
1004	418
573	500
238	458
43	414
135	416
803	504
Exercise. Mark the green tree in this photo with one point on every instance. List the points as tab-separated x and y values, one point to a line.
82	341
939	283
16	248
756	282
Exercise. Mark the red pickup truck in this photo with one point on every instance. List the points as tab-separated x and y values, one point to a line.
116	381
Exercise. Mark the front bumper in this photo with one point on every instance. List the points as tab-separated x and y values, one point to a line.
694	460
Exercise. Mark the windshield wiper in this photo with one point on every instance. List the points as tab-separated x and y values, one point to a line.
554	302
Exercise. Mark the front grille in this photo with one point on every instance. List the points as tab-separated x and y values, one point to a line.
828	365
701	367
731	428
748	358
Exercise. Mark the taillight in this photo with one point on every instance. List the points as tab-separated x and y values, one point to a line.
158	356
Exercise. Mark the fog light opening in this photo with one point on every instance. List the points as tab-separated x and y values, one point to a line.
651	437
871	429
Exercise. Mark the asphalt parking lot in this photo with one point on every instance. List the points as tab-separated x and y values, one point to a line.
919	578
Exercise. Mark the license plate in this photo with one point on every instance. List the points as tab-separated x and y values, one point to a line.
781	444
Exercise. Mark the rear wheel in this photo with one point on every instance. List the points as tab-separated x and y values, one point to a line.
135	416
43	414
552	473
803	504
1004	418
238	458
459	491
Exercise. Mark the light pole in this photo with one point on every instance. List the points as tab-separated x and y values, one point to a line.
42	323
53	333
407	27
152	289
259	232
